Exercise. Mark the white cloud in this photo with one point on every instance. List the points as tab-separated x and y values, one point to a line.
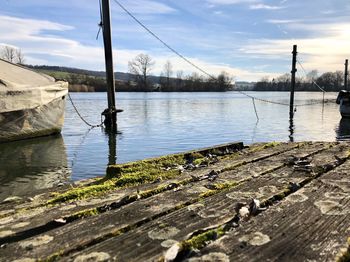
263	6
328	12
53	50
29	35
231	2
282	21
253	4
323	47
13	25
325	51
218	13
148	7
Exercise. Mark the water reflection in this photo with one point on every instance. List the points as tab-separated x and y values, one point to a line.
343	130
291	129
29	165
112	146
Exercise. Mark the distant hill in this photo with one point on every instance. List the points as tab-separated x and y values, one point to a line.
81	80
118	75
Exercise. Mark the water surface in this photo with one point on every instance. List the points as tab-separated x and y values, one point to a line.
155	124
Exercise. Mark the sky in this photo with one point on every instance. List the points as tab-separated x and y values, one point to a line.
249	39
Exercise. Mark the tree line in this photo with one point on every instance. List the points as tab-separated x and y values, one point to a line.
140	79
141	66
329	81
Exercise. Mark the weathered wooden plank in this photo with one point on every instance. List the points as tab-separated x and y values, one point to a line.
312	224
37	219
114	221
149	241
268	174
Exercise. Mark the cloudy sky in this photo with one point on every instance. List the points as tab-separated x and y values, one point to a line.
249	39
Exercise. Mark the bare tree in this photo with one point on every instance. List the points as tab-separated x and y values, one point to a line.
168	72
224	81
8	53
11	54
312	76
141	66
19	56
179	79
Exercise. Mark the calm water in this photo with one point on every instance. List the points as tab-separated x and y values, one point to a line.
155	124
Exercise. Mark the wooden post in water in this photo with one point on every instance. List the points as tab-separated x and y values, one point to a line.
294	70
346	75
110	113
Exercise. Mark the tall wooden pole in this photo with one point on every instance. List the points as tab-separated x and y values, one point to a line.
110	113
346	75
294	70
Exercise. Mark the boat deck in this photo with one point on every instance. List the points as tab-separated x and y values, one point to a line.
266	202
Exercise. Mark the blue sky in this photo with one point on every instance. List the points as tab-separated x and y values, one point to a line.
249	39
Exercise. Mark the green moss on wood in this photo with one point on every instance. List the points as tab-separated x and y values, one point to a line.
199	161
84	214
131	174
201	240
147	166
53	257
145	176
217	187
83	192
265	146
278	197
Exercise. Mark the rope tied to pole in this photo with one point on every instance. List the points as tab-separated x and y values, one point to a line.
256	112
81	117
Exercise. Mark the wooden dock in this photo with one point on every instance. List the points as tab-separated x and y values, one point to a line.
266	202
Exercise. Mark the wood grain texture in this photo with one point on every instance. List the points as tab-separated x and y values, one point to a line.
304	186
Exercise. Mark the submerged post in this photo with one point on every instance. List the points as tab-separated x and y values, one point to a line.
294	70
110	113
346	75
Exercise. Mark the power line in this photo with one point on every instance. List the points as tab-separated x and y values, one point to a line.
164	43
312	79
180	55
194	65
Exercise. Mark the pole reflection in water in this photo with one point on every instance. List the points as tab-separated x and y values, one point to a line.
291	130
343	130
112	146
30	165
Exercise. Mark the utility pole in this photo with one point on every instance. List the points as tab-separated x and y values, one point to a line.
294	70
110	113
346	75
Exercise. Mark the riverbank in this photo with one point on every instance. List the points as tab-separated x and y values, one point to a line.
267	201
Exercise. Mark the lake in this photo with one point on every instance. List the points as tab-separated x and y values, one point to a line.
155	124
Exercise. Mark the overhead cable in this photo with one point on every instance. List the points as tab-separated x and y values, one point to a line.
160	40
194	65
312	79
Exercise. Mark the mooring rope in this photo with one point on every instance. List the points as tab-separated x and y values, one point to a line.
256	112
81	117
